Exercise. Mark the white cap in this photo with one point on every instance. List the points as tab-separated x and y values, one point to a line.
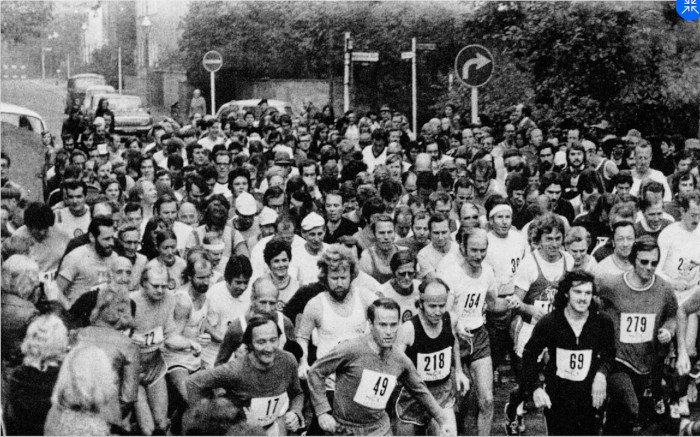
268	216
312	220
245	204
99	121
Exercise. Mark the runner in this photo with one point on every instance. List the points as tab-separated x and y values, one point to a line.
475	290
166	243
367	369
403	288
428	340
266	375
441	244
618	262
643	308
581	346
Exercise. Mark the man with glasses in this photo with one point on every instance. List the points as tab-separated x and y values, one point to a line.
643	308
222	162
129	243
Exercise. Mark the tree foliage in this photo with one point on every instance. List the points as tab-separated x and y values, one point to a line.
22	20
634	64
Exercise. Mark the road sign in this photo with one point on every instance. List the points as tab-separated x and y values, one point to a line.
406	55
365	56
212	61
426	46
474	65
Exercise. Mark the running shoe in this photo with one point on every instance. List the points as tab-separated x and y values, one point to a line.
515	424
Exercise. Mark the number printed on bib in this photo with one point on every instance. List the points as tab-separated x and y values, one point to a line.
264	411
573	365
374	389
153	337
435	366
636	327
472	316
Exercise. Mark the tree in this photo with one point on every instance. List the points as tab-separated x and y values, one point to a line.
22	20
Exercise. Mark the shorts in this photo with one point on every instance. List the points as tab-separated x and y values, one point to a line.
153	368
410	410
477	347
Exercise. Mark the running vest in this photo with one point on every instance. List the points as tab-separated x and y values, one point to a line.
192	329
335	329
432	356
542	291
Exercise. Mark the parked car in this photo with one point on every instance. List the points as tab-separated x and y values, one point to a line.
77	85
22	118
96	89
252	106
130	115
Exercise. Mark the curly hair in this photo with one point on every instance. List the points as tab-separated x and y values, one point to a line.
46	342
335	256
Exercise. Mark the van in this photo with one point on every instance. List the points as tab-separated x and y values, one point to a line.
77	85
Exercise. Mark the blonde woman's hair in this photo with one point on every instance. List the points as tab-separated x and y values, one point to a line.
86	382
20	275
46	342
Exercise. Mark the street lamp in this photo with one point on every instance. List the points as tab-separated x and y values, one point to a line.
146	25
43	54
84	26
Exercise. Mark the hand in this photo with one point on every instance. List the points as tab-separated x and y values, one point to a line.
462	383
195	347
692	350
303	370
514	302
463	334
327	422
536	313
291	421
599	390
204	339
446	430
541	398
664	336
683	363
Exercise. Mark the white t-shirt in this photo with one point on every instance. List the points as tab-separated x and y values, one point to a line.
257	257
305	265
222	310
407	303
83	268
504	255
608	267
71	225
654	175
371	160
678	247
429	258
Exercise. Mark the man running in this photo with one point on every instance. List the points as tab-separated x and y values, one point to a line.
266	375
403	288
367	369
581	345
428	340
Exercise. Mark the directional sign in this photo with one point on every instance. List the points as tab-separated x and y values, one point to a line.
212	61
474	65
365	56
407	55
426	46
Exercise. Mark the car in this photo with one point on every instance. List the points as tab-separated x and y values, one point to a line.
252	106
22	118
96	89
130	115
77	85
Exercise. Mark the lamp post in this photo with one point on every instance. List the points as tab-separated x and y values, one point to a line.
85	49
43	54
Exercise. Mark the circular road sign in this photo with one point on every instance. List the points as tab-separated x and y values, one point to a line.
474	65
212	61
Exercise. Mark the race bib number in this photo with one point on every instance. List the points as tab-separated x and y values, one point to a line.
48	276
573	365
153	337
264	411
471	316
435	366
543	305
374	389
636	327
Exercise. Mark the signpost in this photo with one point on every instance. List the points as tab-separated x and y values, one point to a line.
212	62
365	56
412	55
474	68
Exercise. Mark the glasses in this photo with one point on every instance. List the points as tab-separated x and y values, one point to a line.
645	262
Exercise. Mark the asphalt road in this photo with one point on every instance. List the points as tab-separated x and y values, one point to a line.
47	99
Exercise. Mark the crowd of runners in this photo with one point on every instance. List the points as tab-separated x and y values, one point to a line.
319	275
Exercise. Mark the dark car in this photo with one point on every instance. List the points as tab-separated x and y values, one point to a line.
76	88
131	117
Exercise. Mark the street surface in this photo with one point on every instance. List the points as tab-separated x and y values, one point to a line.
47	99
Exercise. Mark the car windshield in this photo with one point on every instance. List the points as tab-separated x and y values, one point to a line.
124	103
28	122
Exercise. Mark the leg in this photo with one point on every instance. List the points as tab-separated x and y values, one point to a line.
144	418
178	378
404	428
623	410
434	427
482	370
691	334
158	400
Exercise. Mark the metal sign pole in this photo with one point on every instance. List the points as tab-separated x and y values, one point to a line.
346	79
213	93
475	105
414	85
119	54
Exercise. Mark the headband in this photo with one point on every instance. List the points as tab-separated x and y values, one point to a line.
500	207
214	247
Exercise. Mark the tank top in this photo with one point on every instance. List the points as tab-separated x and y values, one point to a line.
432	356
335	329
192	329
542	291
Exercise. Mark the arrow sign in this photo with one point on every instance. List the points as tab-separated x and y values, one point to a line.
407	55
365	56
474	65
